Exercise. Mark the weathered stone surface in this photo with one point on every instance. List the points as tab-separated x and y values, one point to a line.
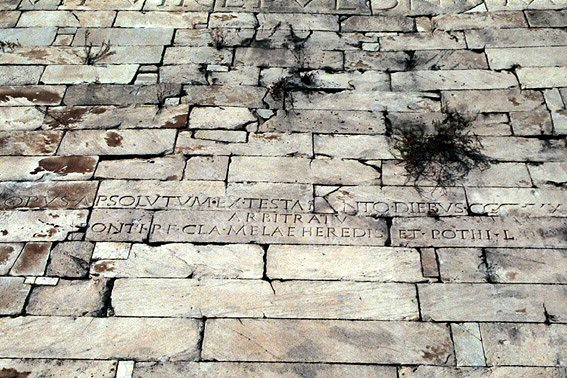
39	225
264	144
32	260
462	265
479	232
397	201
171	339
110	117
479	20
501	5
318	6
468	344
68	298
8	255
13	294
196	55
225	95
111	250
328	341
174	5
478	372
29	142
70	259
353	146
129	19
527	265
220	118
517	202
549	174
492	302
31	95
506	175
38	368
524	344
316	171
424	41
370	60
207	168
231	369
51	195
117	142
14	75
452	80
298	22
527	57
343	263
29	36
326	122
20	118
186	260
66	19
48	168
105	94
547	18
478	39
374	101
123	36
161	168
512	100
532	123
542	77
247	298
65	74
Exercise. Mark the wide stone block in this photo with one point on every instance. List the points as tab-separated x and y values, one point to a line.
479	20
287	6
500	100
132	94
492	302
277	228
162	168
29	36
31	95
452	80
374	147
9	252
40	225
196	55
327	341
479	232
122	338
258	298
59	368
16	75
181	260
157	19
33	260
424	41
75	74
506	58
527	265
13	294
56	168
525	344
310	262
29	143
117	142
123	36
119	225
479	372
287	169
518	37
542	77
249	369
86	19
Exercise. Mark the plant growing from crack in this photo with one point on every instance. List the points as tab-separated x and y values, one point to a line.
219	38
7	46
294	81
445	156
92	57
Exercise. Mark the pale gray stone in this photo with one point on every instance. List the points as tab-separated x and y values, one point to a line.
16	75
185	260
111	74
64	337
101	5
157	19
518	37
225	95
70	259
20	118
29	36
506	58
492	302
213	168
316	171
119	225
232	20
531	123
13	294
517	202
299	22
542	77
524	344
547	18
106	94
353	146
503	5
47	195
468	344
123	36
257	298
247	369
479	372
452	80
549	174
69	298
56	168
85	19
461	265
311	262
162	168
424	41
501	100
220	118
479	20
327	341
8	255
377	24
196	55
524	149
527	265
42	368
40	225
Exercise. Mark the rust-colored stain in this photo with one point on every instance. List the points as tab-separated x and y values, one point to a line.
13	373
30	94
64	165
435	354
113	139
65	117
177	122
104	266
270	136
5	253
4	232
32	254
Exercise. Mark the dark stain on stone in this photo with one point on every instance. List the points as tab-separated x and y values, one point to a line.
66	164
435	354
104	266
32	254
5	253
177	122
113	139
65	116
30	94
270	136
13	373
4	232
